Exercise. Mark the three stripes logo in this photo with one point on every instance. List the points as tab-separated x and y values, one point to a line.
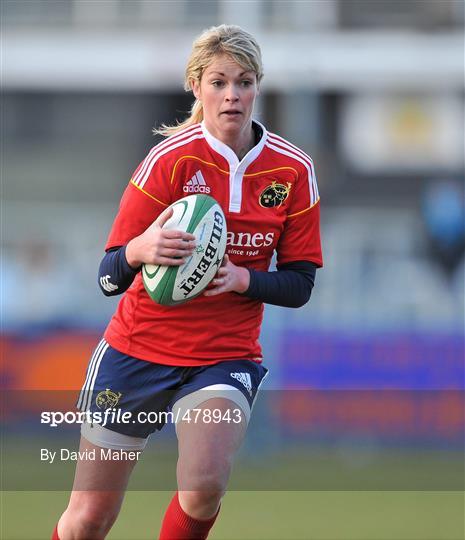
85	397
244	379
196	184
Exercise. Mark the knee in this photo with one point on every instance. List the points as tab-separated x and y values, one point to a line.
200	495
87	522
204	479
202	485
96	525
208	488
201	504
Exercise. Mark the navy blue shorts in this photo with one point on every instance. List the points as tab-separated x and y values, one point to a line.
117	383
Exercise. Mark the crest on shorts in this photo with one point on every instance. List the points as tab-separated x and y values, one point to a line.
274	195
107	399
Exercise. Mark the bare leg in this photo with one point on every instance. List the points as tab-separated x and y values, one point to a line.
206	454
97	495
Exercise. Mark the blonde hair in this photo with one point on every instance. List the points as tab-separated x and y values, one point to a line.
224	39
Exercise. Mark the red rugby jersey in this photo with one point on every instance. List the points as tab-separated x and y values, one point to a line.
271	202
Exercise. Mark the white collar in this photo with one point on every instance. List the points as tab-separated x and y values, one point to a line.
229	154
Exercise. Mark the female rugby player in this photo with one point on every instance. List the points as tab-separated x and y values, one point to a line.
203	354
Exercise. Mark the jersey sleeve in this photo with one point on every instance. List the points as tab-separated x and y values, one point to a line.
146	196
300	239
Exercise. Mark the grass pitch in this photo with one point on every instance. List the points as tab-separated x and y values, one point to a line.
254	515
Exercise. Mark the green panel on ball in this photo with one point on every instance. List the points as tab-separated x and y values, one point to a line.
202	206
163	293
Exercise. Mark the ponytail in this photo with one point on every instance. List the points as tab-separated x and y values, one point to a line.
196	116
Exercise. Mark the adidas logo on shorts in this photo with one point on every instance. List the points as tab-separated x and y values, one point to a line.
196	184
244	379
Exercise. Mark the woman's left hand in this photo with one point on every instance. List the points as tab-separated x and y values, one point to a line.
229	278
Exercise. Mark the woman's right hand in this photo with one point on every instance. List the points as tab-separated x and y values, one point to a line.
160	246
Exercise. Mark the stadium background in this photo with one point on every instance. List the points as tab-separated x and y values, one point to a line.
359	432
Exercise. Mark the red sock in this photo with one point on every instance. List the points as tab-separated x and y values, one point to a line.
177	525
55	534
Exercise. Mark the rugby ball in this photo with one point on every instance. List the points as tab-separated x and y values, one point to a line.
203	217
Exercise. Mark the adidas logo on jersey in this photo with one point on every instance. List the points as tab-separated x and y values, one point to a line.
244	379
196	184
